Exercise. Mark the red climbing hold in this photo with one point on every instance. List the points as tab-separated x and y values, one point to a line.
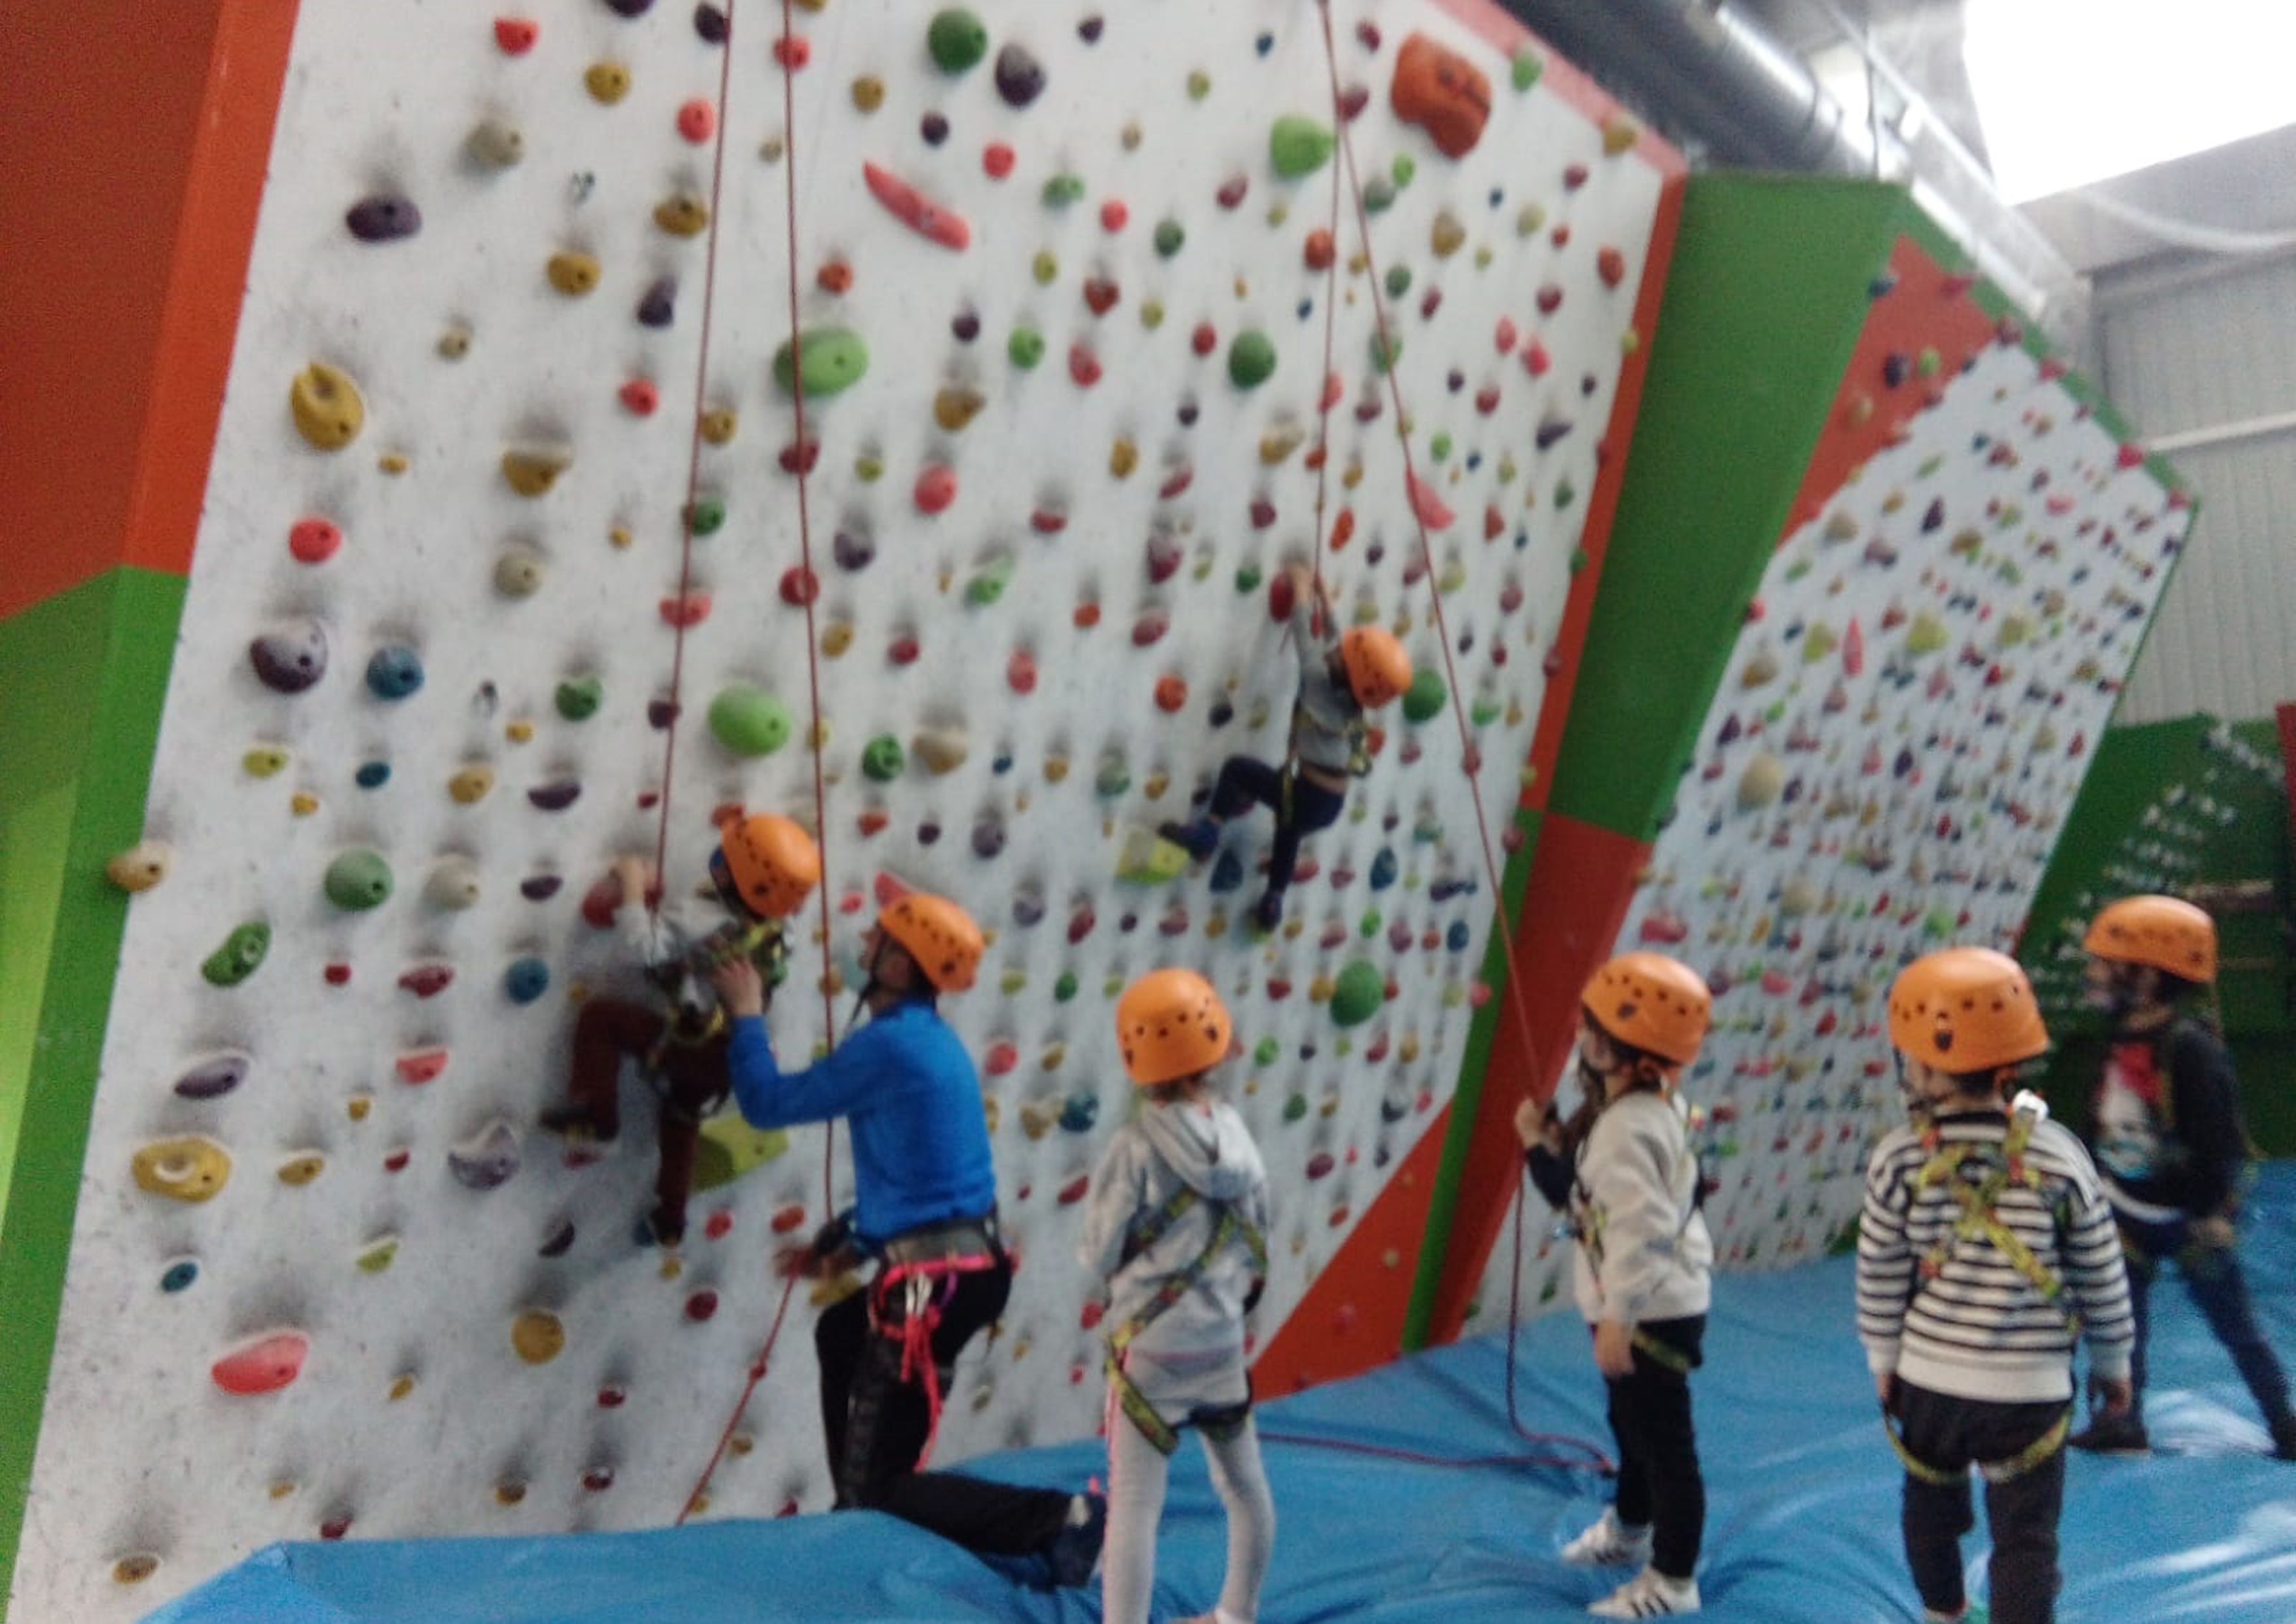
1021	673
1084	367
1505	337
262	1366
1101	295
2131	456
1203	340
1178	480
1171	694
701	1306
1002	1055
1610	266
1263	512
1319	252
641	396
516	35
936	488
996	159
686	610
314	541
421	1066
1343	529
1048	521
788	1218
1073	1190
427	980
1426	505
904	651
1280	599
697	120
792	52
1232	191
1150	628
800	456
1113	214
1086	615
720	1225
915	210
800	586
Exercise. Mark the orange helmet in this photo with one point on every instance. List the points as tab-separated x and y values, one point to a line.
1170	1024
1965	1009
1378	669
2165	932
938	935
773	862
1651	1002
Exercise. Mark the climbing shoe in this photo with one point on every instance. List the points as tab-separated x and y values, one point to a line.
1268	912
576	1126
1199	839
2283	1438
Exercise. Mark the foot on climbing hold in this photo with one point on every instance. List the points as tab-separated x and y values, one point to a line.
576	1126
1268	912
1199	838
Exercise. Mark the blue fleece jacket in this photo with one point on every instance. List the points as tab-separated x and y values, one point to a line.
905	1085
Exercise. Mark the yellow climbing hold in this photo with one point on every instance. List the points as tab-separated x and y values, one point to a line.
518	573
392	462
1278	444
607	82
1447	235
868	92
532	472
263	760
190	1168
135	1570
469	787
573	272
837	638
299	1171
328	409
360	1107
1123	457
1619	132
682	214
538	1336
719	423
377	1254
303	803
400	1387
509	1491
954	407
728	1148
140	866
621	536
518	732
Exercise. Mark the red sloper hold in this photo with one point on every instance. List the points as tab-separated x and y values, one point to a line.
262	1366
916	211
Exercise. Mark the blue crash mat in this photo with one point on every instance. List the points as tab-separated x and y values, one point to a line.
1802	1527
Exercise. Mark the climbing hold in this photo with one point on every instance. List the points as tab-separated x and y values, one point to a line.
140	867
1298	146
882	759
394	672
657	306
427	980
328	410
453	885
913	209
239	956
299	1171
383	218
189	1169
1761	782
607	83
957	39
532	471
572	274
941	749
834	359
289	662
1357	993
955	407
579	697
990	581
469	786
682	214
262	1366
1441	92
1426	505
486	1160
1426	697
750	722
1020	77
1250	359
526	980
377	1254
936	488
358	879
538	1336
314	541
519	573
556	796
496	144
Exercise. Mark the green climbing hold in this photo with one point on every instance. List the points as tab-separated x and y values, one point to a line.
1113	779
1295	1107
1426	697
705	515
1526	67
1264	1052
1398	281
359	879
1358	994
1063	189
957	38
239	956
727	1146
579	697
990	581
1170	235
1386	350
749	721
1248	579
1439	445
1299	146
1579	560
1368	925
1379	195
882	759
835	358
1025	347
1065	988
1250	359
1403	169
1482	713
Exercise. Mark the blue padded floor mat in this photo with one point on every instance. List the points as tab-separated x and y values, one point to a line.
1801	1528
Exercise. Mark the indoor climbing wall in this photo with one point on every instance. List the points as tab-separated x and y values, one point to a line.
517	556
1894	745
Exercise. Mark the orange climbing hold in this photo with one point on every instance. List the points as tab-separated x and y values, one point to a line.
835	277
1171	693
1441	92
697	120
1319	252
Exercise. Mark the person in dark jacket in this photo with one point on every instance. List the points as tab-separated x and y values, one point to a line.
2167	1135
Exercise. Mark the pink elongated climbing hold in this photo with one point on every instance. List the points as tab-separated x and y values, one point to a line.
1426	505
916	211
262	1366
421	1066
1853	649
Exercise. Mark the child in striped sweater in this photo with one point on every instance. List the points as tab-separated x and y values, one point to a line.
1985	1250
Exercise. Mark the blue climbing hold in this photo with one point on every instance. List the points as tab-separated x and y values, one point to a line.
1383	868
371	775
1079	1112
395	672
1227	873
179	1275
526	980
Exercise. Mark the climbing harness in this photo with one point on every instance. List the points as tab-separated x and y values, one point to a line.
913	1289
1228	1226
1992	1471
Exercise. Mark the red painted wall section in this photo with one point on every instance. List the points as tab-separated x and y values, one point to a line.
2285	716
135	138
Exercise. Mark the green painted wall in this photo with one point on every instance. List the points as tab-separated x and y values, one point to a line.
82	678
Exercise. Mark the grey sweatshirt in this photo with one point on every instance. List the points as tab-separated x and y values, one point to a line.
1325	715
1207	1148
1644	1251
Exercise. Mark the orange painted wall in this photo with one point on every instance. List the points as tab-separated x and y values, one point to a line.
132	140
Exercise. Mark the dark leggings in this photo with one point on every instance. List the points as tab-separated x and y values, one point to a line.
692	1079
1659	1485
1244	780
2213	1277
1952	1435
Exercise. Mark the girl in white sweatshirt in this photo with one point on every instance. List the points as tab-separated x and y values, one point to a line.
1623	1169
1177	1225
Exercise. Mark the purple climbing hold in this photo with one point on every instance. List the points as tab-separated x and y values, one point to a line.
488	1159
1896	369
291	661
1933	517
1028	906
539	887
711	24
660	713
934	128
928	832
658	306
1088	31
1550	429
213	1079
966	327
555	796
629	8
1164	557
1020	77
852	551
562	1238
383	219
989	837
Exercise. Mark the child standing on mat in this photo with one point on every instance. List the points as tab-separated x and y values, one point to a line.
1341	677
1984	1250
1178	1228
2167	1137
1623	1167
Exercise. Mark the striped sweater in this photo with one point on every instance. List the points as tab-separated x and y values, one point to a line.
1978	1328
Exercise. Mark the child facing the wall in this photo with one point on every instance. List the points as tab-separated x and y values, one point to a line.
1623	1167
1178	1228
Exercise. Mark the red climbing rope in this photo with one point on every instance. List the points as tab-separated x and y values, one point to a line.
1324	401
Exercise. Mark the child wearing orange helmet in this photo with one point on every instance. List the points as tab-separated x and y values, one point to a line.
1985	1250
2167	1135
1342	676
1177	1226
924	1187
1623	1169
760	873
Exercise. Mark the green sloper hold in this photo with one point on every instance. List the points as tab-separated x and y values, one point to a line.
1386	350
1526	67
1299	146
1426	697
1358	994
749	721
990	581
729	1147
1025	347
579	697
359	879
957	38
1264	1052
835	358
882	759
1250	359
239	956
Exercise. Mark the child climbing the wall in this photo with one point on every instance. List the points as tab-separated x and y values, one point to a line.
1622	1167
1178	1228
760	873
1984	1250
1341	677
2166	1134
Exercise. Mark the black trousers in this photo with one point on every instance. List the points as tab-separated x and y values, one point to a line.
1660	1484
1244	779
877	1426
1953	1434
2218	1289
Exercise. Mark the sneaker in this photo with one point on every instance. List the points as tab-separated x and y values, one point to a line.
1268	912
575	1125
1199	839
1075	1551
1608	1543
2283	1438
1649	1594
2121	1434
1972	1613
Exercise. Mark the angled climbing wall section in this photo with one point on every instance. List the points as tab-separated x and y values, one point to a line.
1968	547
521	550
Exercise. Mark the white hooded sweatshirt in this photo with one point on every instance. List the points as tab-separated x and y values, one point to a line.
1207	1148
1644	1251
